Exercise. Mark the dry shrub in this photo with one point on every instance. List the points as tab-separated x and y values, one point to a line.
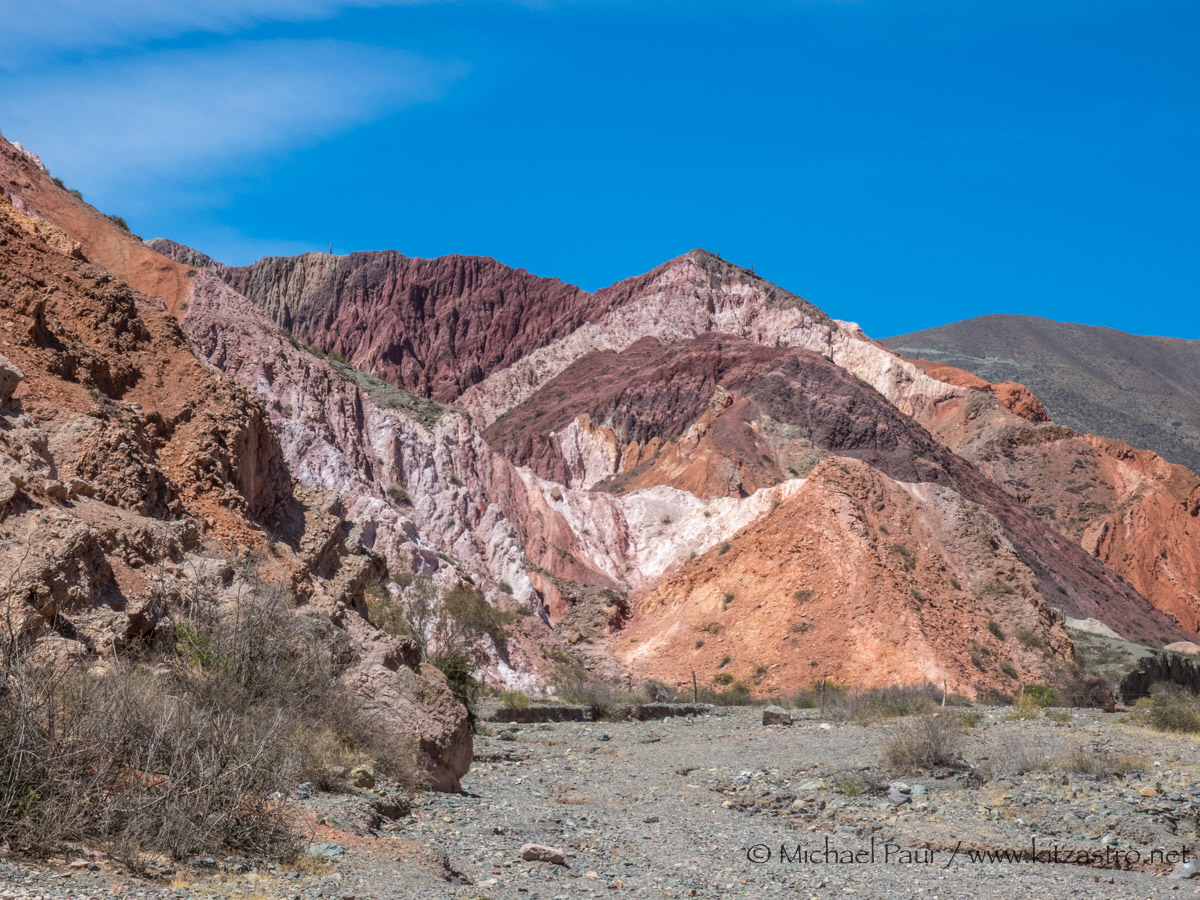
185	749
1025	707
1008	757
1174	710
138	763
865	707
924	742
1100	763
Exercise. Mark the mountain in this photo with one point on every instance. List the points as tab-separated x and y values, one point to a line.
690	470
677	412
1141	389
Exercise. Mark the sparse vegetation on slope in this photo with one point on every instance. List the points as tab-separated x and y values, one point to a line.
181	748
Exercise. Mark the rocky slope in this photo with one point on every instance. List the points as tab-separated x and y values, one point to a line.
1131	509
138	481
434	326
678	416
724	417
1137	388
616	463
858	578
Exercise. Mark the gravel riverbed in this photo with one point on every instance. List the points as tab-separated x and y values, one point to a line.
723	806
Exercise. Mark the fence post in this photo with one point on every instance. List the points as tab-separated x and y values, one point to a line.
695	695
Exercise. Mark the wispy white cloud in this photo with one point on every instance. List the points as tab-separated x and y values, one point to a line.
175	111
33	29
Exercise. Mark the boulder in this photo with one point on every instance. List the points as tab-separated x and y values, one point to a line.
411	700
1185	647
1189	869
362	777
542	853
776	715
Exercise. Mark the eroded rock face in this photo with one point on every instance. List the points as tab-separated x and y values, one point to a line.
643	445
717	415
1131	509
857	578
694	383
438	326
134	477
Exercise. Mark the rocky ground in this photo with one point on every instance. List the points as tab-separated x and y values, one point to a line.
685	807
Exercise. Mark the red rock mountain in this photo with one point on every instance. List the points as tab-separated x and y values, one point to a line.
690	465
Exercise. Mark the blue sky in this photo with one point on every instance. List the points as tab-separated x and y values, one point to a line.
901	163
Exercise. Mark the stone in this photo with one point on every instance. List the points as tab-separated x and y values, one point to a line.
542	853
896	798
80	488
1188	869
10	377
776	715
325	851
362	777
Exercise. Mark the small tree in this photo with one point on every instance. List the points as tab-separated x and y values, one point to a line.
449	630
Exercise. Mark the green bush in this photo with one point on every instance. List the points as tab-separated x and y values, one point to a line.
907	557
1041	694
995	629
514	700
1175	710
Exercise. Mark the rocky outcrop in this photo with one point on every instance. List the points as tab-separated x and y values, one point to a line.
181	253
432	326
94	236
1131	509
137	481
1011	394
10	377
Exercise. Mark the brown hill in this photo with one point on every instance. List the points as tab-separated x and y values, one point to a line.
1141	389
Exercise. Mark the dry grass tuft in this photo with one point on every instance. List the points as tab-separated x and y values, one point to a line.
924	742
